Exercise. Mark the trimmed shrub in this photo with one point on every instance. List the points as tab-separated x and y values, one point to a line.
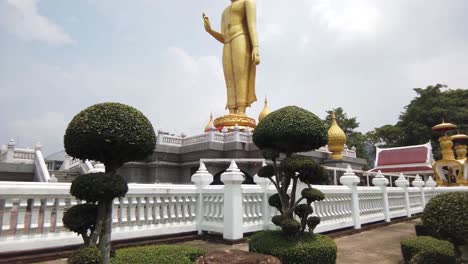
303	210
422	230
306	249
111	133
447	216
275	201
80	218
427	257
266	171
312	195
290	129
85	255
290	226
412	246
95	187
312	223
161	254
278	220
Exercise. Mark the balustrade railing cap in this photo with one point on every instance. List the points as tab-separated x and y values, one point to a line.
380	180
430	182
402	181
224	130
11	143
236	127
233	167
349	178
38	146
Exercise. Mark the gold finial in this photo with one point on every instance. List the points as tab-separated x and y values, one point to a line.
265	111
336	139
210	123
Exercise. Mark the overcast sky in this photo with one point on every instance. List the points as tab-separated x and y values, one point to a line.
58	57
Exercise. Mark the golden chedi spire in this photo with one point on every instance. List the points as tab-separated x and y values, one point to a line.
264	112
210	123
336	139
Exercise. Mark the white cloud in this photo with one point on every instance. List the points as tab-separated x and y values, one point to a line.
22	19
47	128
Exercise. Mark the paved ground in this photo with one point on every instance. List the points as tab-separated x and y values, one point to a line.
380	245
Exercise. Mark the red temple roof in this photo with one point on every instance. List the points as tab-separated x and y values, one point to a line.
409	159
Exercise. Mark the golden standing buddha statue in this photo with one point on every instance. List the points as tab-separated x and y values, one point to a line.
240	53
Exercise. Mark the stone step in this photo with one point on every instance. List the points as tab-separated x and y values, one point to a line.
65	176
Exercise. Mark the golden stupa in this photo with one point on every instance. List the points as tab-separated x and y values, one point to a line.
210	123
336	139
264	112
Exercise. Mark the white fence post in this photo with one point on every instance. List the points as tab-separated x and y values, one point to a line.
404	183
418	182
264	183
351	180
233	216
382	182
201	179
10	151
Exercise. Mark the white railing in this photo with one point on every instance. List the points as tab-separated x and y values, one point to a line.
41	172
31	213
24	154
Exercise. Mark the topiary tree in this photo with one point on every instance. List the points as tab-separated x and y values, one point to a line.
290	130
446	217
113	134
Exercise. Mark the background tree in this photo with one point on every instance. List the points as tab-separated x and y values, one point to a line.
430	106
113	134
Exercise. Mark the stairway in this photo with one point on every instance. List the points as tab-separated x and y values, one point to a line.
65	176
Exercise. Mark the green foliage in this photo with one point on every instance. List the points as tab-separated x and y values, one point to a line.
447	215
85	255
290	227
415	245
95	187
422	230
266	171
290	129
303	210
80	218
278	220
112	133
306	249
426	110
161	254
309	171
270	154
275	201
312	195
427	257
312	223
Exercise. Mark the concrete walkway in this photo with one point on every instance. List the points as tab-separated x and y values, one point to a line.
381	245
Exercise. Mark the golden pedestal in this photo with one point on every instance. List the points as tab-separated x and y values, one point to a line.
231	120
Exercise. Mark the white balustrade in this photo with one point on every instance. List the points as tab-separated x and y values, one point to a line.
31	213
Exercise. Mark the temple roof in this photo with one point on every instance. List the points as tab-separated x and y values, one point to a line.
409	159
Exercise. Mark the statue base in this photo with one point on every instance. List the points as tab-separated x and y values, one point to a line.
231	120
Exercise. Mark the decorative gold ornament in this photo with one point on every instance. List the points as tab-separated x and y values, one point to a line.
230	121
240	54
336	139
448	171
264	112
210	123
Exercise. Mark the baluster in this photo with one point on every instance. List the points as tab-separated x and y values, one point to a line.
132	208
193	207
150	210
165	213
59	208
35	209
124	211
209	212
47	204
22	204
7	208
184	204
221	208
140	211
158	210
115	212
